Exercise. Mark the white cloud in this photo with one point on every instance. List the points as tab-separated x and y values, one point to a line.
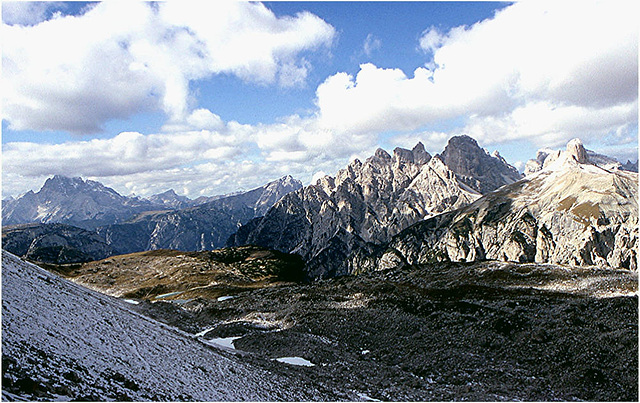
125	154
543	70
431	40
27	12
120	58
201	156
371	43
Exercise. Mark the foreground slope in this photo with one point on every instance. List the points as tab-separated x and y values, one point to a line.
482	331
571	212
62	341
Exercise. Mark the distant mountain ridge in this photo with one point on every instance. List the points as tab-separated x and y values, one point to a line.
75	201
206	226
89	204
367	203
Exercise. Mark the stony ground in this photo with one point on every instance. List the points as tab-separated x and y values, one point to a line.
483	331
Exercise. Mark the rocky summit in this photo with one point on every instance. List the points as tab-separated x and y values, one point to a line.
368	202
570	211
74	201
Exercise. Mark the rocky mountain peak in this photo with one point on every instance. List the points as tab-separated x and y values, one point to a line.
476	167
576	150
575	154
420	155
402	155
170	199
58	182
382	154
365	204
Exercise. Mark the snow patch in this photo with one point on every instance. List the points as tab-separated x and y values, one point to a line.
170	294
296	361
224	342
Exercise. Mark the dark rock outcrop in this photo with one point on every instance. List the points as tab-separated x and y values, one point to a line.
204	227
55	243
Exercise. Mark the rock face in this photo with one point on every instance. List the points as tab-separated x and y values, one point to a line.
475	167
204	227
55	243
569	212
82	203
367	203
546	157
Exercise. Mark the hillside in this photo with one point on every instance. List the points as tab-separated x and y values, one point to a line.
169	274
61	341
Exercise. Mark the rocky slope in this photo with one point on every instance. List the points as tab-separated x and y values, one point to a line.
204	227
61	341
571	212
484	331
55	243
367	203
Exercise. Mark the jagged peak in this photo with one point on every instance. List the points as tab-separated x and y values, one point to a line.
420	155
574	155
462	140
576	150
402	154
169	192
382	154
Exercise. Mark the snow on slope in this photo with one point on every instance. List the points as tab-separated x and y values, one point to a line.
61	341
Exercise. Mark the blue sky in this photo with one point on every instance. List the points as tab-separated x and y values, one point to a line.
208	98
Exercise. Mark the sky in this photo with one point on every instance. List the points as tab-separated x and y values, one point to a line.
208	98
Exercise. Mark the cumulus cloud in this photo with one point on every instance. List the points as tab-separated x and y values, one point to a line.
543	70
540	72
431	40
200	156
76	72
27	12
125	154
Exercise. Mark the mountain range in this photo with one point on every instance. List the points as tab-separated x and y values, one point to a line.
575	209
74	201
478	275
368	202
138	226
